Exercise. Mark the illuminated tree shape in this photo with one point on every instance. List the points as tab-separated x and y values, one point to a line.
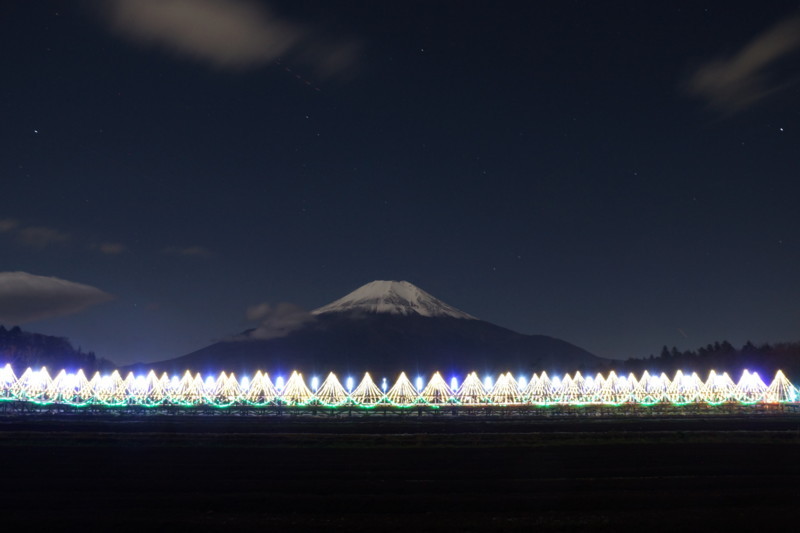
592	388
780	390
73	389
109	390
331	392
540	390
225	392
675	390
7	381
437	392
187	391
261	391
367	392
162	386
624	388
657	388
524	385
614	390
639	389
33	385
199	389
569	389
145	390
131	387
471	390
402	392
296	392
156	388
232	392
57	390
719	388
751	388
685	388
505	390
691	388
244	386
208	387
696	388
674	387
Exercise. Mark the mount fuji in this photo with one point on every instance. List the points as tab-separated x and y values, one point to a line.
394	298
384	327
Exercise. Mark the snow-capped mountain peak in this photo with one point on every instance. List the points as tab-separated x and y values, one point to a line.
392	297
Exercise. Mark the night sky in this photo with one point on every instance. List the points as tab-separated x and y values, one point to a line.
619	175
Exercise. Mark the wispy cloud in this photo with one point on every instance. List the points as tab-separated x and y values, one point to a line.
41	237
33	236
29	298
8	224
188	251
275	321
110	248
230	34
734	83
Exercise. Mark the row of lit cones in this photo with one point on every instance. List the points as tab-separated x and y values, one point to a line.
226	390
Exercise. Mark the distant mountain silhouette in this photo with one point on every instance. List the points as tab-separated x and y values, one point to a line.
385	328
23	349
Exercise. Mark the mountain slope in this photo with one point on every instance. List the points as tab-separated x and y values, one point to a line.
388	344
386	329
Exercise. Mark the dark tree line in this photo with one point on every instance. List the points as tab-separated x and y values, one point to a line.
23	349
766	359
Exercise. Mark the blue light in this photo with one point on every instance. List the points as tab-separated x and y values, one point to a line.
314	383
384	385
453	383
487	382
279	383
523	382
349	384
419	383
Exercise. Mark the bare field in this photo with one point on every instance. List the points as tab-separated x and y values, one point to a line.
224	473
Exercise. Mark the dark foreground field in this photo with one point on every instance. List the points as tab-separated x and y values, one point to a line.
303	473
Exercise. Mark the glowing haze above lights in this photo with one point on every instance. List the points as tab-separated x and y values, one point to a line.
37	386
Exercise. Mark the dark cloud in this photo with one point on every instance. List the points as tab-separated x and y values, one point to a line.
734	83
229	34
188	251
276	321
29	298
